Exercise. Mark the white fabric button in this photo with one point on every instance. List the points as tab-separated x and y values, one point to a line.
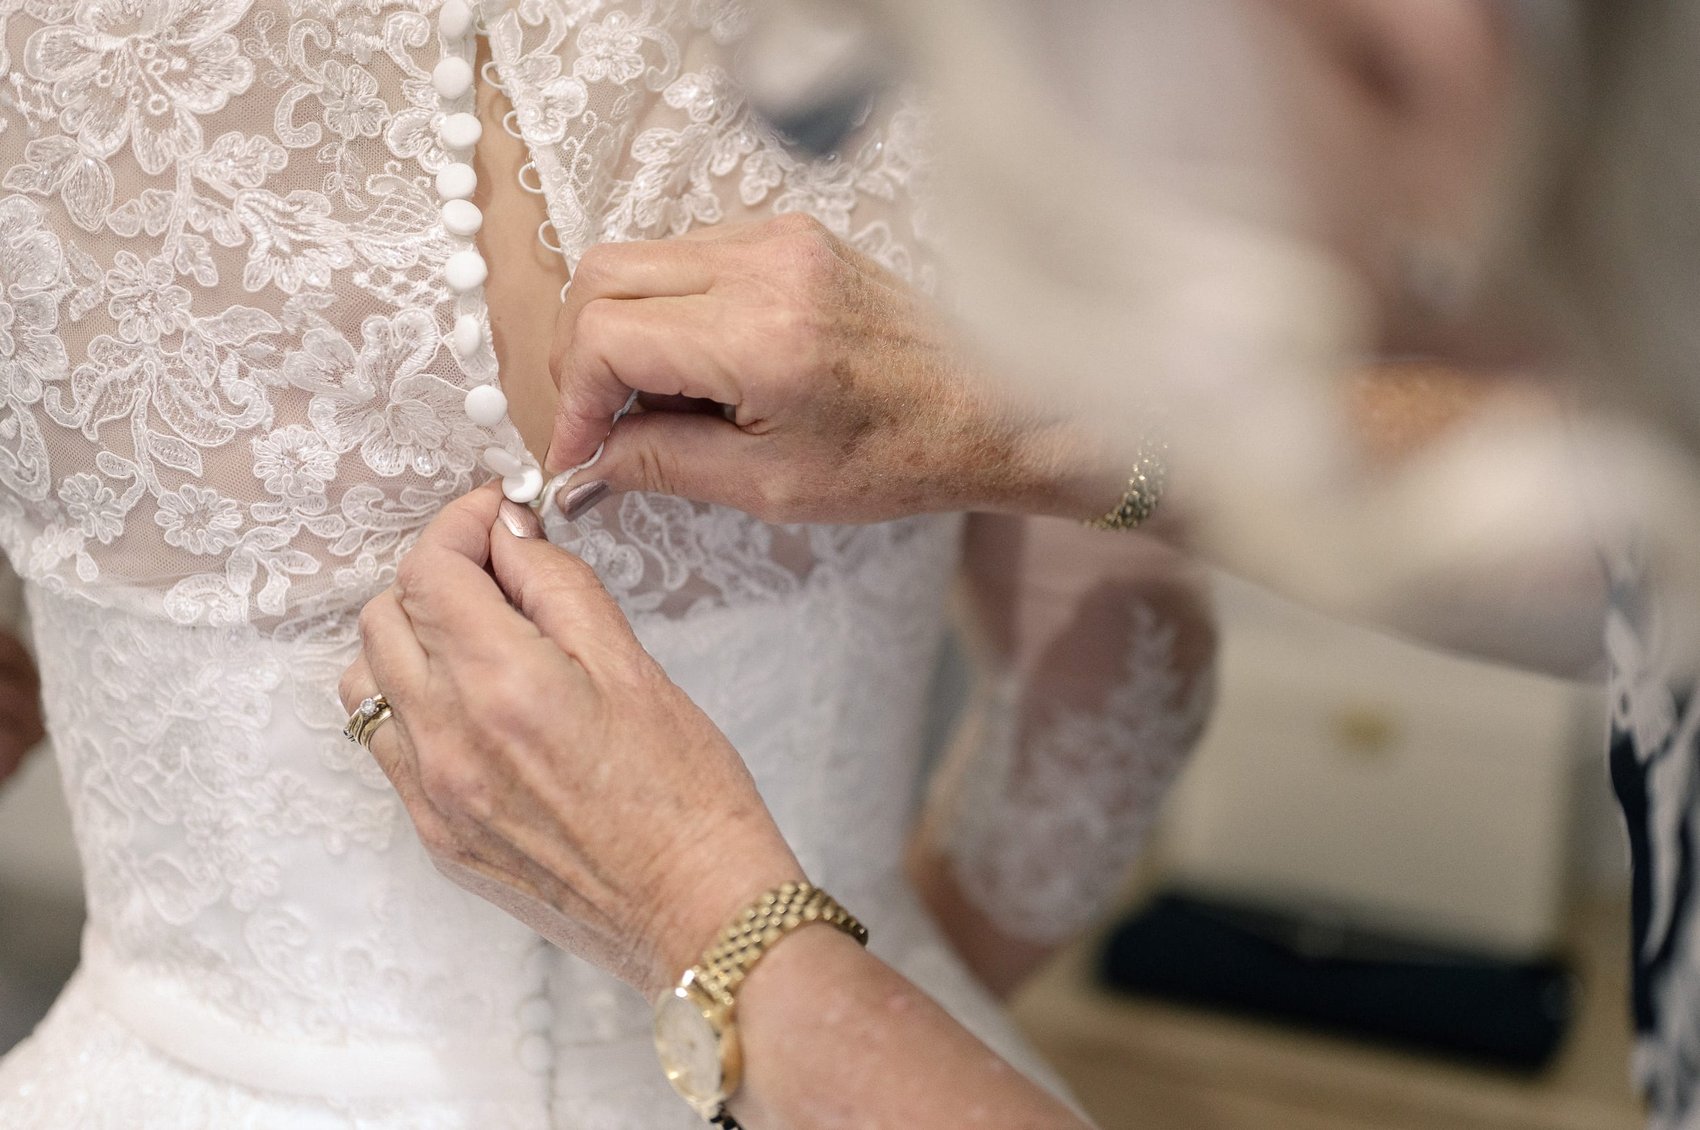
456	181
503	462
486	405
535	1054
452	76
467	337
536	1015
524	487
462	217
460	131
465	270
454	19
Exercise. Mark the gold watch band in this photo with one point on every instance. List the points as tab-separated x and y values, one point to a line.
754	931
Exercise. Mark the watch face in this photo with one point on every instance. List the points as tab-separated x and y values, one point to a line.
689	1048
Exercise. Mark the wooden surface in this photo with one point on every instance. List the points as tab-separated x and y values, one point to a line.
1138	1064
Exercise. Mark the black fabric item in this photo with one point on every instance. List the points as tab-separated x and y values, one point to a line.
1347	982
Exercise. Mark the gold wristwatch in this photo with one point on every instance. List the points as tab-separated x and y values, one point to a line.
696	1032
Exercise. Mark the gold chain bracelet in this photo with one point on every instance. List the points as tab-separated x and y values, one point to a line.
1144	490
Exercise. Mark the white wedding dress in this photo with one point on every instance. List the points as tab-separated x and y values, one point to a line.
230	404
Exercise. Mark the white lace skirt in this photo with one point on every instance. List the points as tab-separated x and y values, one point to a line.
87	1067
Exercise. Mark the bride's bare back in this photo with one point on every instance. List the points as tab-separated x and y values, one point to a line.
526	277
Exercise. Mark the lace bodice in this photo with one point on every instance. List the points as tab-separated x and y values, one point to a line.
228	388
230	399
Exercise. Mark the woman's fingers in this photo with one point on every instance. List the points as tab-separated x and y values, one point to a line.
698	456
389	649
463	526
452	604
612	274
558	593
357	683
386	746
670	347
658	268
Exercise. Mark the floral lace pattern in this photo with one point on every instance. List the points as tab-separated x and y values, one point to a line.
189	824
226	409
1046	821
222	340
228	396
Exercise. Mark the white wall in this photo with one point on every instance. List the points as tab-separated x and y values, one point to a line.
1356	776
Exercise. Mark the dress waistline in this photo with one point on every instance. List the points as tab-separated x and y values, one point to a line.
209	1041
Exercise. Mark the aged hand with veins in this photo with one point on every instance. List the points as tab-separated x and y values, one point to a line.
550	766
793	378
527	737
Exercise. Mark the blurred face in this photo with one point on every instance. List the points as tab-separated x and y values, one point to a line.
1209	213
1202	217
1372	133
1375	130
1404	131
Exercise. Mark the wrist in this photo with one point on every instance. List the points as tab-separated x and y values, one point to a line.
1064	471
799	969
702	900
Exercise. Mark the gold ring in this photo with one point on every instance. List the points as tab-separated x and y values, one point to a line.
367	717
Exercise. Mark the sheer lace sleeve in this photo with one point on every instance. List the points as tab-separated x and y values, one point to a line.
1093	658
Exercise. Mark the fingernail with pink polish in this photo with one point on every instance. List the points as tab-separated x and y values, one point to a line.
520	520
578	501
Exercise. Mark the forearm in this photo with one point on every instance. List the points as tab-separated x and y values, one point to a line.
1093	655
834	1038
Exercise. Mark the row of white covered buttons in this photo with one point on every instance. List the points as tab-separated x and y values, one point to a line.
537	1014
465	271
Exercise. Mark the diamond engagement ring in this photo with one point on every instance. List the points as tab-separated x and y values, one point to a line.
367	717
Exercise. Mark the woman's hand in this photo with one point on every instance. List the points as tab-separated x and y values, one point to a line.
21	725
550	767
835	392
548	763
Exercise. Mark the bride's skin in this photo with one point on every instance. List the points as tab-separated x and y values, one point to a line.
524	287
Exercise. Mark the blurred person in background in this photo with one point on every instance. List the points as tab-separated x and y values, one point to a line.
1505	184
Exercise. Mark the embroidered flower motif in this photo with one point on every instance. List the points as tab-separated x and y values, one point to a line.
294	462
611	51
350	98
93	507
825	192
553	100
140	71
198	519
138	192
31	264
144	300
418	422
8	8
674	187
295	243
